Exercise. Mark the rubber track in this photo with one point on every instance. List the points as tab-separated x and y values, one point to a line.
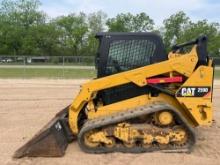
133	113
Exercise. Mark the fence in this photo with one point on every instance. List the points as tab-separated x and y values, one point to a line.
47	66
47	60
217	61
56	60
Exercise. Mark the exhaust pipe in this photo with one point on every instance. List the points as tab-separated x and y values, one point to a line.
51	140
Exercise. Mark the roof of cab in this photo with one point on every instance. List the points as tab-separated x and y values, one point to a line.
101	34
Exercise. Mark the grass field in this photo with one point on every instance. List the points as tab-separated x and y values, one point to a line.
66	73
46	73
217	74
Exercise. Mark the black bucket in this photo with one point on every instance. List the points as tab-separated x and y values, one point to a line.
51	140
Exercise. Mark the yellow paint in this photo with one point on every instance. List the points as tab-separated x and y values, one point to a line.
200	108
197	111
164	118
128	134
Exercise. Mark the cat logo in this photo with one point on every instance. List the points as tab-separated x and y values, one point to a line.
192	91
188	91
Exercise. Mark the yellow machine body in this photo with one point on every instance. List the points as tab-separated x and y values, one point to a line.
196	110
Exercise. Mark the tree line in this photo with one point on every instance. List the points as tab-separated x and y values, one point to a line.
26	30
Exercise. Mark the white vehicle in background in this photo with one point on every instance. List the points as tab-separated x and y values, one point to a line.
6	60
9	60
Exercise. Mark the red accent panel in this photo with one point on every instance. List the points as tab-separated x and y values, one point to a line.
164	80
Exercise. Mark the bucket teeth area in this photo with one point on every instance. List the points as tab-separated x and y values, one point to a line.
50	141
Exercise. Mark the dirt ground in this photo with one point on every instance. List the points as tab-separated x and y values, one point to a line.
27	105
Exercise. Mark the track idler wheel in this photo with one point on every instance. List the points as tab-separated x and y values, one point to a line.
88	141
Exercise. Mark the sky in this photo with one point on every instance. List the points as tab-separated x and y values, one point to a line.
158	10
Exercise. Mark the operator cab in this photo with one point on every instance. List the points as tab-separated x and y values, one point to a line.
120	52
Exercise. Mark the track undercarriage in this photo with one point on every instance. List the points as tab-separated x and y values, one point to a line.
143	129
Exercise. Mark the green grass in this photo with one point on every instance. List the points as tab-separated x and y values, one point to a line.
46	73
217	74
54	73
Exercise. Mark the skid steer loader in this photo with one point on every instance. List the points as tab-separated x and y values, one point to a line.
142	100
